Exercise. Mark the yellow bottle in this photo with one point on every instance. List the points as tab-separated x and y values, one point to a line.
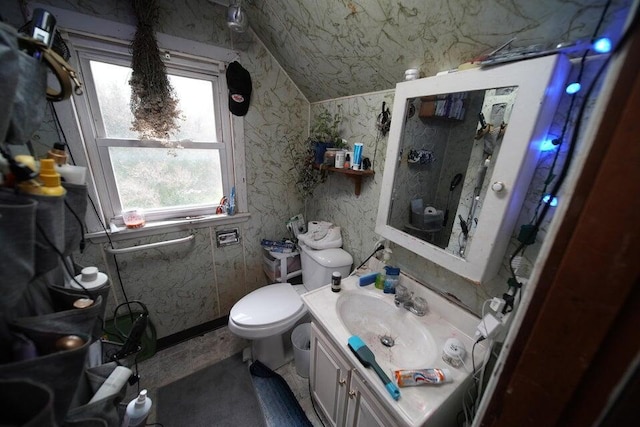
48	183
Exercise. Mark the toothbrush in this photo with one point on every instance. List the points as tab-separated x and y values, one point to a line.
368	360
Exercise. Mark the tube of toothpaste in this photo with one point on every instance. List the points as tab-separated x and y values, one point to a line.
413	377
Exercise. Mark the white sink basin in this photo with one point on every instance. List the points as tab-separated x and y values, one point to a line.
376	319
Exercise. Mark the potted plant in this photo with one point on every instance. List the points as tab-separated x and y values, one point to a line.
324	134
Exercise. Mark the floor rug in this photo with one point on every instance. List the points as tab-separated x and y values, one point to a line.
219	395
279	405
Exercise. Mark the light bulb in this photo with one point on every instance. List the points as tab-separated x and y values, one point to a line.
602	45
573	88
553	202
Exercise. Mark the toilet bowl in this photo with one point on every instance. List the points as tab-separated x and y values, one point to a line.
267	315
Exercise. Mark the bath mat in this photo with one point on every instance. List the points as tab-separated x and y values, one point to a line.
279	405
220	395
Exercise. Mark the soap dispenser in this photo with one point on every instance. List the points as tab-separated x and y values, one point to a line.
380	279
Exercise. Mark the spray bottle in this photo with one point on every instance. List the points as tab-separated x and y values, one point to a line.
137	411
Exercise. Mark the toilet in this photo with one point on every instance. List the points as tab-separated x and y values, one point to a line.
267	315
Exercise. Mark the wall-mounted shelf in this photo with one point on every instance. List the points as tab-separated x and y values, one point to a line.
355	175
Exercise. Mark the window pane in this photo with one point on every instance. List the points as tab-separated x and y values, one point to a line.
152	178
195	98
196	105
114	96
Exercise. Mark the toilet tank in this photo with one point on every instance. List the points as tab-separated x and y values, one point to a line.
318	265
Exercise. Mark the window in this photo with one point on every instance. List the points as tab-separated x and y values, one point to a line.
183	177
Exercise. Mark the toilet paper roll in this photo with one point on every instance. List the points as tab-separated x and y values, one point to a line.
430	210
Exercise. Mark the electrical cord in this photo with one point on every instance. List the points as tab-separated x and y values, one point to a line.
378	249
578	122
61	133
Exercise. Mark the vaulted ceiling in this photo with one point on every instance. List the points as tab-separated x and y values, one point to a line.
334	48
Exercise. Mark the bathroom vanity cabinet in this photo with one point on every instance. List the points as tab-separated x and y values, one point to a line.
338	388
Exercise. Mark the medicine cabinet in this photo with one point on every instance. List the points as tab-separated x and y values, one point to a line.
461	158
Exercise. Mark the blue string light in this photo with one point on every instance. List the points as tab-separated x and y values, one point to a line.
602	45
552	202
573	88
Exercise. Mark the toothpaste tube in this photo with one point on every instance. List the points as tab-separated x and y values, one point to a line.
412	377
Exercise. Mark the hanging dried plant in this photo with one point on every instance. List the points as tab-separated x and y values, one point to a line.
153	101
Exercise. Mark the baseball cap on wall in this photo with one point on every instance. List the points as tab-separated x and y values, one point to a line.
239	84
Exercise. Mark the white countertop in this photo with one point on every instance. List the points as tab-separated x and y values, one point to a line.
443	320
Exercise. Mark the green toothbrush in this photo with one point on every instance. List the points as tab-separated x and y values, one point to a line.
368	360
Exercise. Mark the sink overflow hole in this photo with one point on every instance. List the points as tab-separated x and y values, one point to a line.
387	341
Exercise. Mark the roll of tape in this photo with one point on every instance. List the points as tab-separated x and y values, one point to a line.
430	210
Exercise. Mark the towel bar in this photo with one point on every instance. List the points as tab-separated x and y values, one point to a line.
150	245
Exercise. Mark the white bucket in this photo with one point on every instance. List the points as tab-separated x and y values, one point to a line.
301	340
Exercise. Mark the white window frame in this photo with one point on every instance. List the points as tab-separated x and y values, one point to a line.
86	49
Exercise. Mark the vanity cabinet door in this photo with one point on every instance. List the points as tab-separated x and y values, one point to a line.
329	378
363	409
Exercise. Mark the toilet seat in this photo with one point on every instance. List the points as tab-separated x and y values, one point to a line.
267	311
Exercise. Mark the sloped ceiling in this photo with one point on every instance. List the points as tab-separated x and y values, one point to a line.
334	48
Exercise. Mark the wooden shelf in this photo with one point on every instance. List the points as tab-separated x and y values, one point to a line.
355	175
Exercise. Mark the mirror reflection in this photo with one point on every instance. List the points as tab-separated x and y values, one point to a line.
448	146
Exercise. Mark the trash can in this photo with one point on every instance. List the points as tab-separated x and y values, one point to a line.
301	340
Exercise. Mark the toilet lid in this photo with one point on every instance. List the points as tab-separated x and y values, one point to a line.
266	305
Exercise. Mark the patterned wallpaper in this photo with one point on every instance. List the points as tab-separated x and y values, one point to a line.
342	47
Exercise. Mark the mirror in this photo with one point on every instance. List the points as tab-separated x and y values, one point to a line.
460	161
447	147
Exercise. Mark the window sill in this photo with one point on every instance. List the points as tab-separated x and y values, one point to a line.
168	226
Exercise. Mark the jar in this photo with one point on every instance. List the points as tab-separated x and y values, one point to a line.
134	218
330	156
336	278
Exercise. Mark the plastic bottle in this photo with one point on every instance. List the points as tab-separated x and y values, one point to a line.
137	411
347	161
113	384
49	181
69	173
391	279
386	256
336	278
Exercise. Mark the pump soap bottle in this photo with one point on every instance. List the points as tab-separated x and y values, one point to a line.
380	279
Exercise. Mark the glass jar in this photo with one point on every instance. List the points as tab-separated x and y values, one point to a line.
330	156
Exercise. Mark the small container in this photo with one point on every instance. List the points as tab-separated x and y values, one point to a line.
90	278
134	218
336	279
391	279
347	161
330	156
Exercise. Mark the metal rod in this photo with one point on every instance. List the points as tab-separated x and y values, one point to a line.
150	245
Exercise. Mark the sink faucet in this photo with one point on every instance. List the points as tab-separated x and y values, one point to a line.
404	298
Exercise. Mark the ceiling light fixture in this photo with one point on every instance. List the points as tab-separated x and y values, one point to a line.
237	18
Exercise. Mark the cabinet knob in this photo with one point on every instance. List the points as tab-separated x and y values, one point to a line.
352	394
342	381
497	186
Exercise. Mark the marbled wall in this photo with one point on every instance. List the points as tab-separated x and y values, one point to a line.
186	285
340	48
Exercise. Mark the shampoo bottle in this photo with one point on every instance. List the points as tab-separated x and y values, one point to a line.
137	411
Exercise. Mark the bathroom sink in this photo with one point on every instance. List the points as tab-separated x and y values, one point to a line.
393	334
